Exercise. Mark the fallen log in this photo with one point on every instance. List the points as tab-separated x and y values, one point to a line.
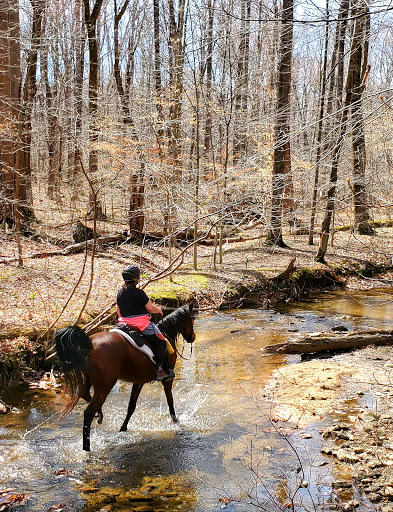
70	249
313	344
232	239
31	333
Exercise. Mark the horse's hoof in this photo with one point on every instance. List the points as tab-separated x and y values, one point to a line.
86	448
174	419
123	429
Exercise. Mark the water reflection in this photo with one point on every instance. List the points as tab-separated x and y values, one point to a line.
225	446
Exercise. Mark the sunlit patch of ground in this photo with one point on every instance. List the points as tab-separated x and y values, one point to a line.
305	392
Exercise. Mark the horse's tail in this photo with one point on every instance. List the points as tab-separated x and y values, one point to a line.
73	346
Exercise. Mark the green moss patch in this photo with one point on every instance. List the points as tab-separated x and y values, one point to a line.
180	291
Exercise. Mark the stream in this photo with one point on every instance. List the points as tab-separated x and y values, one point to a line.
225	452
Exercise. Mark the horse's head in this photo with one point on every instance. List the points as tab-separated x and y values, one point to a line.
187	329
180	321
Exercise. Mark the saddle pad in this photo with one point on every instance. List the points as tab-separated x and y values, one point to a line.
144	348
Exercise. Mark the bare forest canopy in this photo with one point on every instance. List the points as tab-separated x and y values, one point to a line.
166	116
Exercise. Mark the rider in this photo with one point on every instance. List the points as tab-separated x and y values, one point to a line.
134	308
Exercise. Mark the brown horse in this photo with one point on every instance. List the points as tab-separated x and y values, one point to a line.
105	357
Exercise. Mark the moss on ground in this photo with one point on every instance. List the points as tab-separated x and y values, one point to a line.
181	290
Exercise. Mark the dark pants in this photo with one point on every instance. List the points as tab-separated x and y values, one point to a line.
159	348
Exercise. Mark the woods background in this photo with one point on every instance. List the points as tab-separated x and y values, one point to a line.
169	117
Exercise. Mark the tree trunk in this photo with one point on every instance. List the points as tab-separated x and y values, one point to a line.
15	207
209	84
320	129
241	93
362	218
176	59
315	344
91	18
28	95
52	120
137	178
157	74
281	152
78	94
330	204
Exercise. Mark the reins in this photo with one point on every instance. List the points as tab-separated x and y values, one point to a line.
178	353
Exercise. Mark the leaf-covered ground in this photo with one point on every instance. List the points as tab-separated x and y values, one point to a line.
35	294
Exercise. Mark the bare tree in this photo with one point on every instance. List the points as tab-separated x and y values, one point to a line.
281	148
320	129
91	17
349	89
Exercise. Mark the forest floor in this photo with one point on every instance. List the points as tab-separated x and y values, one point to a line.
36	294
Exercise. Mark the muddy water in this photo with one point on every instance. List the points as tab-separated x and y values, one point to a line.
225	451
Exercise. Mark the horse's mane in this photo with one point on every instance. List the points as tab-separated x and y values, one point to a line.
171	323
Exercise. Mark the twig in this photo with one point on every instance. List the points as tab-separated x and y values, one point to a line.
94	239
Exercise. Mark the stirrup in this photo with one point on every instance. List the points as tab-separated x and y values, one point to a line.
171	375
161	375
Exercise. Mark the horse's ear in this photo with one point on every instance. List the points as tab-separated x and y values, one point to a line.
191	305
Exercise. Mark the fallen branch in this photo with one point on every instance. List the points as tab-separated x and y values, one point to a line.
31	333
314	344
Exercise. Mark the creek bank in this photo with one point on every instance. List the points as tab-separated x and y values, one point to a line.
346	401
24	348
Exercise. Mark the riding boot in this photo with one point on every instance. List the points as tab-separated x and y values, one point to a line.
160	355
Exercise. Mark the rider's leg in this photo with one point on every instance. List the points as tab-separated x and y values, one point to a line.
159	349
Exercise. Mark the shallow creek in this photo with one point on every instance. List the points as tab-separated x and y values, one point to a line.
225	452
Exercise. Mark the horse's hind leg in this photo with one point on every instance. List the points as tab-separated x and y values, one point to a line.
169	398
87	396
94	407
136	389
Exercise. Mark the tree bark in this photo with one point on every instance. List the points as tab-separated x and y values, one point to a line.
137	178
157	74
280	164
176	63
241	92
91	17
341	129
26	110
361	212
16	207
209	84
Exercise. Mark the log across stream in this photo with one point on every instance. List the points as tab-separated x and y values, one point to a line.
335	342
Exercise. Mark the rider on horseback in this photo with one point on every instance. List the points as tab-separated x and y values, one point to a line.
134	308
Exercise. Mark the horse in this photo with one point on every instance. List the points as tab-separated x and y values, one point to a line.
100	360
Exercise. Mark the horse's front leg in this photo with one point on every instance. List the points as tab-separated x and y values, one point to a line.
169	398
136	389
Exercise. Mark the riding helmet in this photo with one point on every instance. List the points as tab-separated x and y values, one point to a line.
131	273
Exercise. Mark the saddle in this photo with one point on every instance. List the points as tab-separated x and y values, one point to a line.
136	339
136	335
